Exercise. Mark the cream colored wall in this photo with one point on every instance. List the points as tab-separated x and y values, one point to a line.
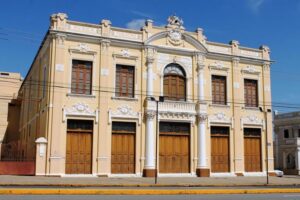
9	86
57	55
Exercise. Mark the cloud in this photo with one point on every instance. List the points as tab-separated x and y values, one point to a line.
135	24
255	5
141	14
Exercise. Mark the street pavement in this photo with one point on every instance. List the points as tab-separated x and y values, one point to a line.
155	197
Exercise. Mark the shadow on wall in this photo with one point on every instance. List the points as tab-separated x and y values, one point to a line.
11	140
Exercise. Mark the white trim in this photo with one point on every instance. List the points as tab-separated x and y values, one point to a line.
79	175
176	175
225	174
254	173
124	175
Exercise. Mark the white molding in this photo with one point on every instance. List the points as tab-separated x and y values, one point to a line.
229	174
124	112
125	175
252	120
254	173
176	175
80	110
220	118
250	70
79	175
217	65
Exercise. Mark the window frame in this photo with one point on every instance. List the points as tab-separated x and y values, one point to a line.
184	78
91	77
257	93
225	90
119	94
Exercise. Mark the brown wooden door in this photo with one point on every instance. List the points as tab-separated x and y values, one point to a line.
174	153
174	147
123	148
220	149
219	154
79	153
252	148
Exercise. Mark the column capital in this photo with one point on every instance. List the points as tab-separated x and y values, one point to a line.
150	54
235	60
266	65
150	114
202	117
105	43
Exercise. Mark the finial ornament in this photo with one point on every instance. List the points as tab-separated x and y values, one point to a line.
175	21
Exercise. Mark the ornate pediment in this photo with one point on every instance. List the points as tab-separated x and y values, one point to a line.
220	118
218	66
252	120
80	109
124	112
250	70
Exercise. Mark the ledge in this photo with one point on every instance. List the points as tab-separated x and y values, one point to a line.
125	98
81	95
220	105
251	108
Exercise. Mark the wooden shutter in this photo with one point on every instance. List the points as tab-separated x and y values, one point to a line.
219	90
174	87
124	81
251	96
81	77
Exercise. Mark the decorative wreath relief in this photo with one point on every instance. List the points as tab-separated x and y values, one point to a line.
175	37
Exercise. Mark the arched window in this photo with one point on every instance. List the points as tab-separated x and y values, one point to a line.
174	83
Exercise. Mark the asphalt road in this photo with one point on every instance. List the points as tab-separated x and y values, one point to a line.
155	197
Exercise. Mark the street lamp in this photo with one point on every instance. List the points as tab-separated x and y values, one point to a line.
160	99
267	144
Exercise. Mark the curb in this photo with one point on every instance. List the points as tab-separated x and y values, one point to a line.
144	185
10	191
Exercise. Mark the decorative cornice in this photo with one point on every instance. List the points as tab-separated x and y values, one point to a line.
80	109
250	70
252	120
124	112
220	118
218	66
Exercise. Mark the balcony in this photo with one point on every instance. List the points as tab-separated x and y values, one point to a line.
292	141
174	110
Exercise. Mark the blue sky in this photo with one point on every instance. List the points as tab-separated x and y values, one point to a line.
275	23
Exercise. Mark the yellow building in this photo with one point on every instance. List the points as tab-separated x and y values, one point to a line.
9	114
93	91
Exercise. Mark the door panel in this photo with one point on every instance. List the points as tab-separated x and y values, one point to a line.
79	153
174	154
123	153
252	148
220	154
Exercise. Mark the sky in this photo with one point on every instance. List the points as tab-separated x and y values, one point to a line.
275	23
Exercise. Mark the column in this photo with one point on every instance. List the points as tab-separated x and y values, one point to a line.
298	160
149	168
150	60
202	167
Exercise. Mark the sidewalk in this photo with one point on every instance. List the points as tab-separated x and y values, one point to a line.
6	180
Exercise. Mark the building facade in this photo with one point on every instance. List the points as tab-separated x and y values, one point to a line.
287	142
94	95
9	114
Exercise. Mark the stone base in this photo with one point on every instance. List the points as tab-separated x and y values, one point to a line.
149	172
272	174
239	174
202	172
